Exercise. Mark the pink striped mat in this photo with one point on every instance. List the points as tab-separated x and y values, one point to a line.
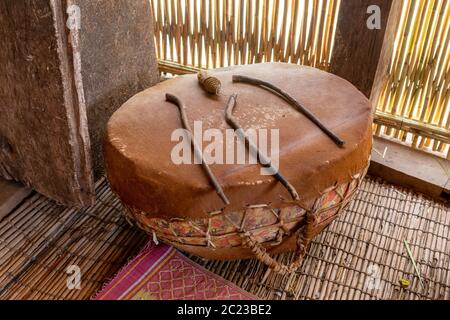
162	273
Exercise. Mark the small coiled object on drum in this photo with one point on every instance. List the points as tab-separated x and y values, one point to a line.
210	84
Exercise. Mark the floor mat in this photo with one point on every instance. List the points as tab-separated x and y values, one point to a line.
163	273
362	254
45	248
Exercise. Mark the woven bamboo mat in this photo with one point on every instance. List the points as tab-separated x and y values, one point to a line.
360	256
40	240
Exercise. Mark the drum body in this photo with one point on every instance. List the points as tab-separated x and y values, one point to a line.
176	201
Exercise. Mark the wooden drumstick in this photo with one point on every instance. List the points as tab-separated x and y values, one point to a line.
264	84
262	159
198	152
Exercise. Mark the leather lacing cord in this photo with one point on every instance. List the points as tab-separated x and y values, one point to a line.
262	255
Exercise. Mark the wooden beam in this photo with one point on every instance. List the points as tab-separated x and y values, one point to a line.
42	126
410	125
11	194
411	168
61	81
176	68
117	59
357	48
387	51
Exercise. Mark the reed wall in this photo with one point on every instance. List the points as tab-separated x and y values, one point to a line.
413	107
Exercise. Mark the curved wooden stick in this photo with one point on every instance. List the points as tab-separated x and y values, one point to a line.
198	152
262	159
244	79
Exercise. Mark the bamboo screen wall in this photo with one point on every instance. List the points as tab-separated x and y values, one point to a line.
417	91
414	103
217	33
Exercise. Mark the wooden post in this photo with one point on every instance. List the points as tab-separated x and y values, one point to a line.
11	194
387	51
115	45
66	66
357	49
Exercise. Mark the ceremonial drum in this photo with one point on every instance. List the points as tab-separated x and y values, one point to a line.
231	209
